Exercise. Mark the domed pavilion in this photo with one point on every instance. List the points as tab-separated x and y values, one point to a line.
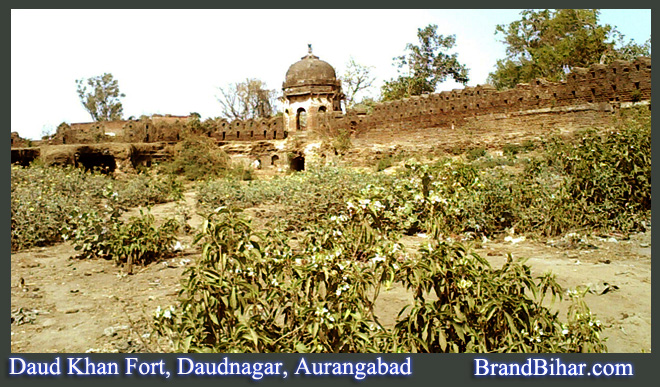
311	88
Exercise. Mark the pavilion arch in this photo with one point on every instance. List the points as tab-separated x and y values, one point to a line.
301	119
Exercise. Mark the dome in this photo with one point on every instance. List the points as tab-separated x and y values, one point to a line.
310	70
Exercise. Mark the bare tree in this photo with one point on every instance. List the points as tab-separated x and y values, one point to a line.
356	79
245	100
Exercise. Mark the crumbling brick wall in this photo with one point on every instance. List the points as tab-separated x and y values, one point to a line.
17	141
250	130
618	82
420	116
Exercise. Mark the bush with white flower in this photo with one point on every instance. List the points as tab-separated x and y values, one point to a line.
250	292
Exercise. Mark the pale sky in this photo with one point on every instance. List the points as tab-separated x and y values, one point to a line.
173	61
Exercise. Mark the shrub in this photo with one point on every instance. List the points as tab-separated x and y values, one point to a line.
196	158
636	95
384	163
475	153
251	292
146	190
514	149
42	199
136	241
306	197
461	304
608	176
342	141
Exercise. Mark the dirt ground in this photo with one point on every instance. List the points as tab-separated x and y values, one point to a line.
63	304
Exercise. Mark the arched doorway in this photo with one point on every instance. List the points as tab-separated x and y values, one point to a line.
274	160
322	109
297	163
104	163
301	119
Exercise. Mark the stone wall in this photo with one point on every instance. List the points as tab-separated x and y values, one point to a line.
249	130
17	141
585	90
595	89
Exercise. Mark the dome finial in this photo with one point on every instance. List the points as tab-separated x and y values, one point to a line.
309	48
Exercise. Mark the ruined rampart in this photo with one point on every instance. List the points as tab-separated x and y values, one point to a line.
595	86
587	97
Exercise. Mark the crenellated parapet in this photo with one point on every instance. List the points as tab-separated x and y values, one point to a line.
249	130
620	81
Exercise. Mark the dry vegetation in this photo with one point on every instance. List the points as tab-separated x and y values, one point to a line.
305	270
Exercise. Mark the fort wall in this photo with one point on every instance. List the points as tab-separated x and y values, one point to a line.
595	89
586	98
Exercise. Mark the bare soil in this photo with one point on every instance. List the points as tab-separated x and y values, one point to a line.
63	304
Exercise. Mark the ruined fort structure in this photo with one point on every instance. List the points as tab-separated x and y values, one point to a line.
312	98
311	89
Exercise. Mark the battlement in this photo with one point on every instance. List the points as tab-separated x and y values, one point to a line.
616	83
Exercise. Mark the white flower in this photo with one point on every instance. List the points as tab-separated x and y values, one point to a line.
564	332
377	258
274	282
379	206
342	288
158	311
350	205
167	314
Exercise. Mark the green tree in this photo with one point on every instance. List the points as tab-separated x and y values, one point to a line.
424	66
244	100
357	78
549	43
101	97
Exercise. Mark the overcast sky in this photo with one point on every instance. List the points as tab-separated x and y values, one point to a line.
173	61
